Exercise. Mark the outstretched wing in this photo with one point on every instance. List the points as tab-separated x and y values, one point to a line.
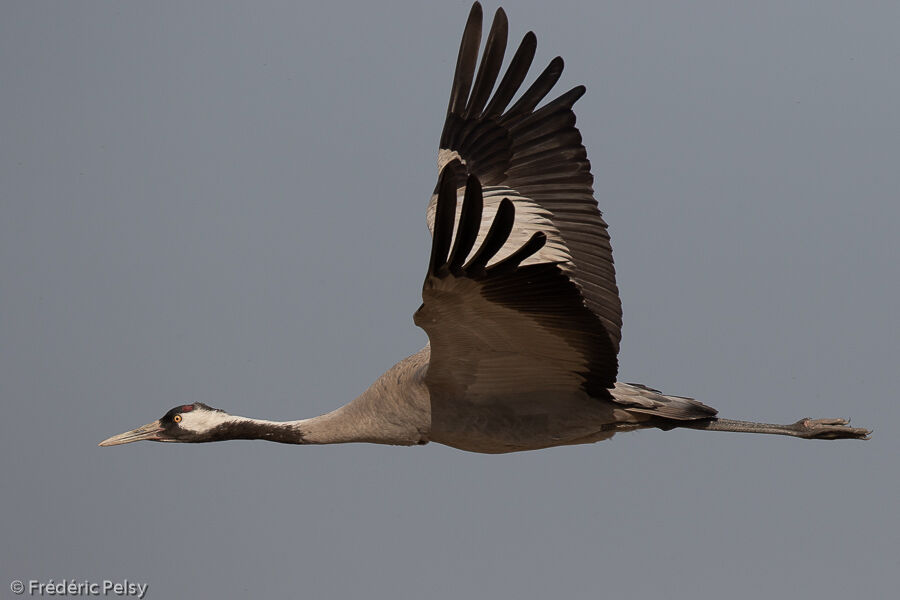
533	158
501	330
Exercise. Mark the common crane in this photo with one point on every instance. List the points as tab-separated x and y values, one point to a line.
520	302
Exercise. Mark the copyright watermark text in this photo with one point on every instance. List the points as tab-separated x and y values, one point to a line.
74	587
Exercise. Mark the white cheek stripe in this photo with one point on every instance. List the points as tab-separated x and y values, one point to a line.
199	420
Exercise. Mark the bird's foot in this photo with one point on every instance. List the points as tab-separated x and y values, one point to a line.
829	429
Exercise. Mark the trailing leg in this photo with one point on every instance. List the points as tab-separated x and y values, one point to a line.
810	429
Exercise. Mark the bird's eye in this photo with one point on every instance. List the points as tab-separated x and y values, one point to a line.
177	418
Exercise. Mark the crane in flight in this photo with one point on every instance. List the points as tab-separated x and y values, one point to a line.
520	302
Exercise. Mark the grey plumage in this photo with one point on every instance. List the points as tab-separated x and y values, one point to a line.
520	302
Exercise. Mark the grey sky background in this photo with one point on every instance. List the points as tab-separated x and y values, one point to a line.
225	202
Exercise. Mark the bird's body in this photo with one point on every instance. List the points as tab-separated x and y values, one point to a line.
398	408
520	302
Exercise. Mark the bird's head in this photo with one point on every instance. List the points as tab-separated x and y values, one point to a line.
195	422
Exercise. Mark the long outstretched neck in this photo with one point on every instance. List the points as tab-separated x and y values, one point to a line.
369	418
330	428
395	409
244	428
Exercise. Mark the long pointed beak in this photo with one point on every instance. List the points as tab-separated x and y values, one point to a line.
150	431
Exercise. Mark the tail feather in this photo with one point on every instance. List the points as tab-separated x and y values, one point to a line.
639	398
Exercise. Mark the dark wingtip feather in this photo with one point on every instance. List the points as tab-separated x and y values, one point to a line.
515	75
512	262
495	238
540	88
491	61
465	61
469	224
575	94
444	215
537	122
